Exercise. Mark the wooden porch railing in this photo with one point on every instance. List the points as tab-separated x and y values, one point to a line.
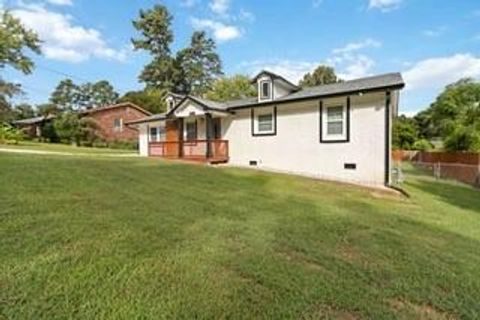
202	150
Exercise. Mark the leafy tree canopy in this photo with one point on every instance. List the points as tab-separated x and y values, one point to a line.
404	133
199	63
70	96
231	88
321	75
149	99
14	39
23	111
155	28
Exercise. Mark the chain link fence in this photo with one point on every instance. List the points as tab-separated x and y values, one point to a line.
465	173
460	166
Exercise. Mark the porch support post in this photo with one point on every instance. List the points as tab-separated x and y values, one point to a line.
208	133
180	137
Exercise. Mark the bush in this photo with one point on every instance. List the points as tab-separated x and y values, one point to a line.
126	145
463	139
9	134
422	145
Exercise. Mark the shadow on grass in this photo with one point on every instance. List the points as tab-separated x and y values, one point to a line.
455	193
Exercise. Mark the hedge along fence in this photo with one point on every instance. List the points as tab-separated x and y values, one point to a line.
461	166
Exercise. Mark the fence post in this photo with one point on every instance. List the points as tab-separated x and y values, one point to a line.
436	170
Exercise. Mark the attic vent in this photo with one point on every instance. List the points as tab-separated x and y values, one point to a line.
252	162
350	166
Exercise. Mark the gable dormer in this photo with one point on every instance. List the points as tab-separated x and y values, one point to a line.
271	86
172	99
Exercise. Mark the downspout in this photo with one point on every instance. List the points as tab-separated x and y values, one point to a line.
387	138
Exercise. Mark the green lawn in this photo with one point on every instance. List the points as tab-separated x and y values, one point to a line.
123	238
58	147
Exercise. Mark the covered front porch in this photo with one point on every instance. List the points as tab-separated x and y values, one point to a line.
191	132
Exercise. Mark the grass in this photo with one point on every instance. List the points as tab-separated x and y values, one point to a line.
122	238
58	147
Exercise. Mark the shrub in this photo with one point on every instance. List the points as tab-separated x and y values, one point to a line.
126	145
463	139
422	145
9	134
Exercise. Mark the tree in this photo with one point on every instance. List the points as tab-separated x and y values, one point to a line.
404	133
14	39
156	33
23	111
231	88
99	94
455	115
163	73
70	128
66	95
47	109
199	63
463	138
149	99
321	75
156	36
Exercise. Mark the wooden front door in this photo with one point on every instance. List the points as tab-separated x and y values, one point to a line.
171	138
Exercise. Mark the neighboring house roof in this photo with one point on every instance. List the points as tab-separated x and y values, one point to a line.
275	76
155	117
389	81
34	120
118	105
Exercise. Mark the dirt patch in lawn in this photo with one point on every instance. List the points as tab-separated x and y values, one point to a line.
420	311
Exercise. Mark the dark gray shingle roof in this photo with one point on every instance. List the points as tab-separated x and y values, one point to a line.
385	81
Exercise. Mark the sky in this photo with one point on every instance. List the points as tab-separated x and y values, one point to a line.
431	42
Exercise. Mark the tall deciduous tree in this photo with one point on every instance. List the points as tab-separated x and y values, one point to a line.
200	64
15	39
321	75
98	94
156	37
66	95
231	88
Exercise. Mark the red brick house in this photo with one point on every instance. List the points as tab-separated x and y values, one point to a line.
112	120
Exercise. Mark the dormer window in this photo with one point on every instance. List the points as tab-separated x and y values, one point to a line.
265	90
171	104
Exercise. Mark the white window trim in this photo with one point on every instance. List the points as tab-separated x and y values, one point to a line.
344	136
159	137
260	90
256	113
185	131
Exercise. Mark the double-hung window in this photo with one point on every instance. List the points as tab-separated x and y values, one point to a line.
118	125
335	122
157	134
191	130
265	123
153	134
